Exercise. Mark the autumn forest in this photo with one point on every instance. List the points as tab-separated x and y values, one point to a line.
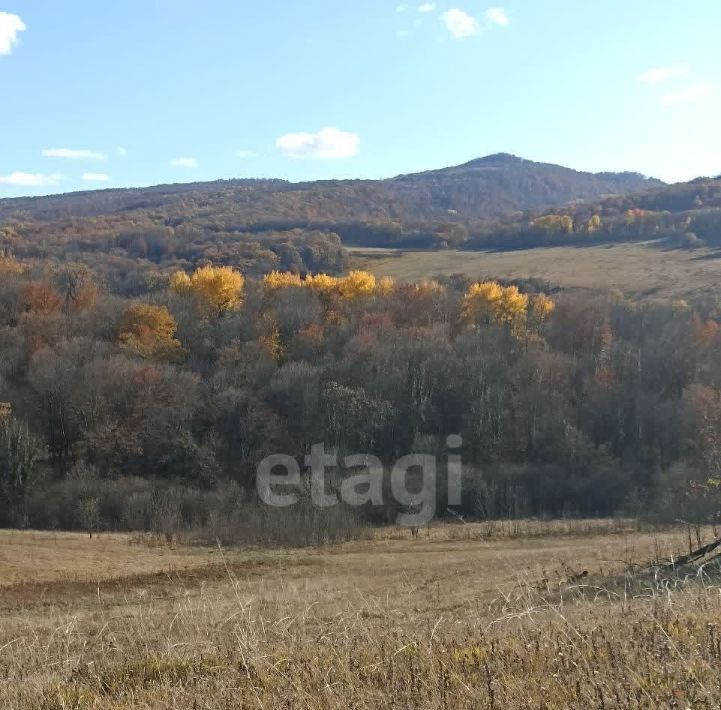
153	411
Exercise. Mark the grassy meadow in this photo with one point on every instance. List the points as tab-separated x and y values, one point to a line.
637	269
498	615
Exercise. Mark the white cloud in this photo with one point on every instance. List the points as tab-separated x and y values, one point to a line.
246	154
658	75
95	177
10	26
184	162
328	143
497	16
427	7
402	34
72	154
460	24
689	94
20	179
121	152
402	7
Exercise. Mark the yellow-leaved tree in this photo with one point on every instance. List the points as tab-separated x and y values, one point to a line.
281	279
8	265
322	283
220	288
540	309
149	331
480	303
554	223
386	286
357	284
594	224
489	303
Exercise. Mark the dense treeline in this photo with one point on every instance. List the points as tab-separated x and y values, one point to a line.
130	252
481	190
261	225
565	404
687	215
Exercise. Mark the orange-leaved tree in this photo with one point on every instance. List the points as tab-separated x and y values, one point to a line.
149	331
41	298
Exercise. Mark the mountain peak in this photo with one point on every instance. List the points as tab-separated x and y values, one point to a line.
497	159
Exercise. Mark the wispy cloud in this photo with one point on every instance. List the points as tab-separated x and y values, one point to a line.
460	24
402	7
21	179
96	177
10	26
689	94
326	144
658	75
72	154
403	34
246	154
426	7
121	152
497	16
184	162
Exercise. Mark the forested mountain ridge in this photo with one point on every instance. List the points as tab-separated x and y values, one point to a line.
482	189
497	185
261	225
684	214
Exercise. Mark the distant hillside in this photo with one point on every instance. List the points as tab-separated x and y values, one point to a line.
489	188
686	215
483	189
259	225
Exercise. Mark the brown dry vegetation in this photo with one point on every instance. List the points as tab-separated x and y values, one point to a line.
636	269
466	616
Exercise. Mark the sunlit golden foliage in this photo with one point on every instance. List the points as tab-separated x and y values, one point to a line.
489	303
180	282
281	279
540	308
357	285
555	223
386	286
479	303
9	266
594	224
322	283
149	331
218	287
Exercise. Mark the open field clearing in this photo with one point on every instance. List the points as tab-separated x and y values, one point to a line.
496	616
636	269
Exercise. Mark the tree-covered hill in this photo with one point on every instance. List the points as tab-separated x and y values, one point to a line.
686	215
260	225
482	189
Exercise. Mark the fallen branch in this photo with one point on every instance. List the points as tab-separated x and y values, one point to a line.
695	555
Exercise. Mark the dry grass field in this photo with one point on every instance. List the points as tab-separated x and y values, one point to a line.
638	269
473	616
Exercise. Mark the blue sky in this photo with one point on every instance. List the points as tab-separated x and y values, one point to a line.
139	92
